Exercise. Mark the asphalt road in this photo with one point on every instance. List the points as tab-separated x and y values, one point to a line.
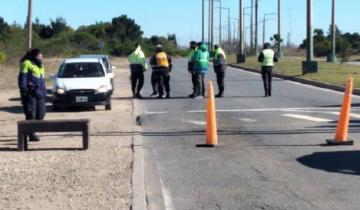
270	154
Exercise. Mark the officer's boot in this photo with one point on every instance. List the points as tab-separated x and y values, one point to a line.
269	91
33	137
220	94
266	91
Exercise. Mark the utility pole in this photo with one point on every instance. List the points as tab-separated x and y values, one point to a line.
29	25
220	22
241	56
309	65
203	22
256	27
209	25
212	27
252	27
332	56
279	29
264	26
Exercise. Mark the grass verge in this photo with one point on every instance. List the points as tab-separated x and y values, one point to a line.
328	72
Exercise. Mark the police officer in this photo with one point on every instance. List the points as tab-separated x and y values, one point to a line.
201	59
219	68
138	67
193	48
31	81
267	58
161	64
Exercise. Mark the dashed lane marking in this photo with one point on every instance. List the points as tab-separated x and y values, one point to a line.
305	117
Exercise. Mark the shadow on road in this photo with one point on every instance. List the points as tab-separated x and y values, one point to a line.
344	162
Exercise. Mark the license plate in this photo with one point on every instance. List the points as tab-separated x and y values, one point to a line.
81	99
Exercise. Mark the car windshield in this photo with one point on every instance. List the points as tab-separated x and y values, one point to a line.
81	70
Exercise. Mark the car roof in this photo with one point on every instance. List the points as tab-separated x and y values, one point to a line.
94	56
82	60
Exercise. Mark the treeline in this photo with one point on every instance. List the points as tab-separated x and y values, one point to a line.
346	43
116	38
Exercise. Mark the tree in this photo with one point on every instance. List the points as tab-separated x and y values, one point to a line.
125	28
4	29
59	25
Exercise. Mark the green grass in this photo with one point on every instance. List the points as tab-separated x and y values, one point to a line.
328	72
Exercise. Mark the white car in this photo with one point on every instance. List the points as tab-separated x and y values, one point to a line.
107	63
82	82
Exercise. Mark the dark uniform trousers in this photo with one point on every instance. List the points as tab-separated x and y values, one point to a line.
199	84
267	74
162	78
193	76
137	78
34	107
220	77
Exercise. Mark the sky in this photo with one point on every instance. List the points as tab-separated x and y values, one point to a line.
183	17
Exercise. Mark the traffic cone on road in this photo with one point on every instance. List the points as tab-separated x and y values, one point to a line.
211	125
342	129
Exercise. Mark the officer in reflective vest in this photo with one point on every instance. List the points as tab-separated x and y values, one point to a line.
193	48
138	67
219	68
31	82
201	59
161	63
267	58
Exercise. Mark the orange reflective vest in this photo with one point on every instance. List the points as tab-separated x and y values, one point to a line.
162	60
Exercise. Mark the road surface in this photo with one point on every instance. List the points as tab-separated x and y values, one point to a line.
270	154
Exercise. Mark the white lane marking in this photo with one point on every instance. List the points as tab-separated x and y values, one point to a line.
195	122
157	112
269	109
167	196
298	83
247	120
354	115
305	117
296	109
168	203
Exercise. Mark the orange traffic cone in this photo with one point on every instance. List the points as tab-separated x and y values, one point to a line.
211	125
342	129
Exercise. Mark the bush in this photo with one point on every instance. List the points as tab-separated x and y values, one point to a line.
2	57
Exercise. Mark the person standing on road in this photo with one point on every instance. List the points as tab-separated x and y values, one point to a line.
201	59
138	67
31	82
161	64
193	48
267	58
219	68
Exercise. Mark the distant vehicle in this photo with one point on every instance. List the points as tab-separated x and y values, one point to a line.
107	63
82	82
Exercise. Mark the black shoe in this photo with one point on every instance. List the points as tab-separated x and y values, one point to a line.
167	95
34	138
154	93
219	95
139	96
192	95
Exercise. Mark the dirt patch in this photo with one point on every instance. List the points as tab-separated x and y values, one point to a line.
52	175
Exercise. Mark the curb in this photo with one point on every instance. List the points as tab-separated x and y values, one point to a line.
300	80
138	180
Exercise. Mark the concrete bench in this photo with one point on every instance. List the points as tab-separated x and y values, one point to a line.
33	126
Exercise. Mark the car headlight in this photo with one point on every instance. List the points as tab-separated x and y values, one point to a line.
60	91
102	89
